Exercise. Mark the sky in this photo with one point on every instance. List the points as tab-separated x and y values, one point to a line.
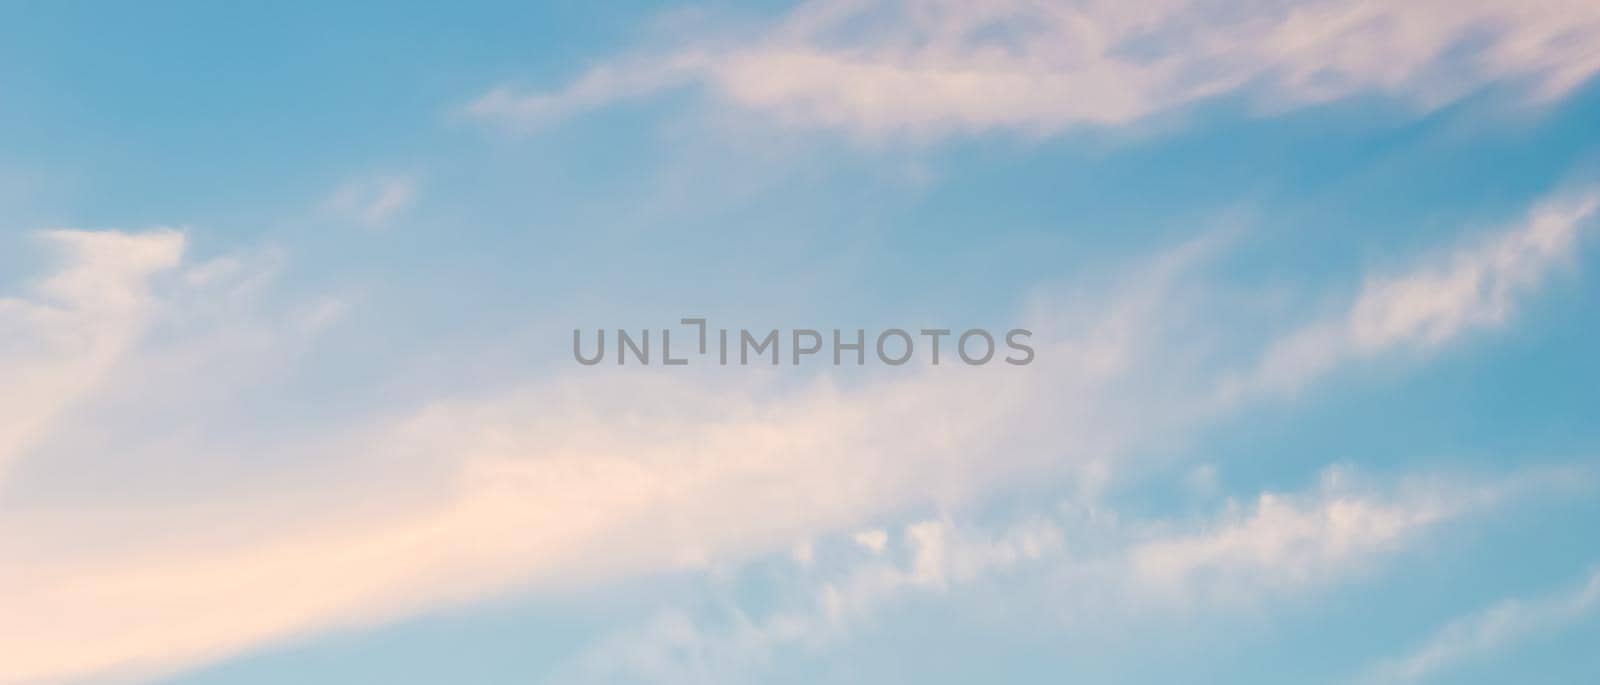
288	296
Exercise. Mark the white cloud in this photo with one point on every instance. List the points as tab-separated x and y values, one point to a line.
937	556
59	339
1475	289
374	202
1422	308
478	495
937	67
1494	629
482	496
531	489
601	86
1286	543
874	539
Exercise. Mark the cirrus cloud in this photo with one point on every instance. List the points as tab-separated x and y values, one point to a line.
926	69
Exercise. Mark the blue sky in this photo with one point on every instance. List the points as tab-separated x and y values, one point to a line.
286	298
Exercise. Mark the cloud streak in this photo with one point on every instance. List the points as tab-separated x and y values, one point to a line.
474	496
1285	542
925	70
58	341
1473	287
1491	630
374	202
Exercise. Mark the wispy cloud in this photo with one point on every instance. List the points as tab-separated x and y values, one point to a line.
1473	287
528	488
930	69
58	341
489	494
1286	543
1489	631
374	202
929	556
601	86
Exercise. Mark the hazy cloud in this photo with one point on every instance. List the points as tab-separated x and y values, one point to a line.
928	69
374	202
1483	633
